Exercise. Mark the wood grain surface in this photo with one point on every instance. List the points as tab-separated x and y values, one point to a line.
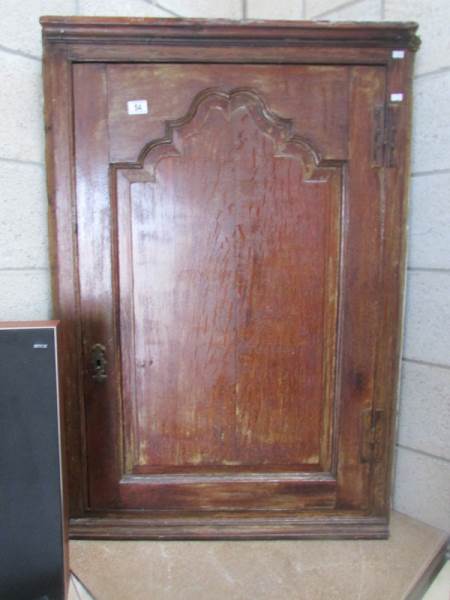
235	255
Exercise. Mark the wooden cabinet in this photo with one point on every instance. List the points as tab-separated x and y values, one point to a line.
227	207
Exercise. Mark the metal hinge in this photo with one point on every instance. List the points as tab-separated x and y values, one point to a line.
385	135
372	435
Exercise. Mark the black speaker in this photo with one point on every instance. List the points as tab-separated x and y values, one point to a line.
33	540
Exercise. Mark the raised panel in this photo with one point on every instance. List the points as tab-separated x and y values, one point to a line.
228	238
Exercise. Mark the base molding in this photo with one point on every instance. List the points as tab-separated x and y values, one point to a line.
141	528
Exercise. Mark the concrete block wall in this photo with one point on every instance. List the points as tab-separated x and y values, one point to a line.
422	482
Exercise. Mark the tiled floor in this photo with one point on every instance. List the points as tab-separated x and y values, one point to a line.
272	570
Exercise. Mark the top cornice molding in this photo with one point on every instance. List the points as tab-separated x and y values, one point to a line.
126	30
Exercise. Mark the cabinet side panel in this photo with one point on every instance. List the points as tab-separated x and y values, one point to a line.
396	181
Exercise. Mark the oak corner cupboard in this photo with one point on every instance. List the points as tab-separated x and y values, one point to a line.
227	209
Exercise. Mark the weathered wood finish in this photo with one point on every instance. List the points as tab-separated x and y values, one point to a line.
239	254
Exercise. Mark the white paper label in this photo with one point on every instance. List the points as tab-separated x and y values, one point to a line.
396	97
137	107
398	54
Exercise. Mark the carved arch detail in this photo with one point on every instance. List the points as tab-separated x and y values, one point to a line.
287	144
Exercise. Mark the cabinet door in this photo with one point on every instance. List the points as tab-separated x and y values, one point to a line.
229	243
